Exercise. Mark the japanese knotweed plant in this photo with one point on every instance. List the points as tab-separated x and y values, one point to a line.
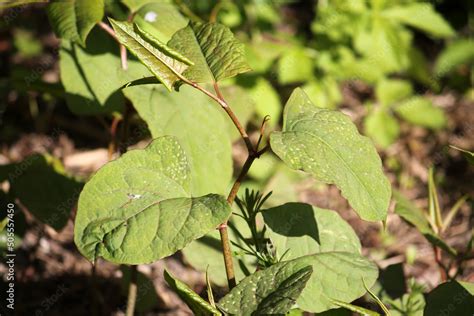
150	203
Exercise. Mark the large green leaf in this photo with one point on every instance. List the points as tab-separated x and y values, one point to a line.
327	144
160	19
422	16
212	47
421	111
336	276
74	19
42	186
451	298
199	306
166	64
272	291
137	209
91	76
413	215
198	124
298	229
455	54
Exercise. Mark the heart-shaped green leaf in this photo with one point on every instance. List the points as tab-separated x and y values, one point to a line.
212	47
166	64
268	292
74	19
137	208
298	229
327	144
199	306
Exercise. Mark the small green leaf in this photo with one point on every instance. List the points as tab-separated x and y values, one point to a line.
413	215
42	186
137	208
327	144
421	111
298	229
74	19
389	91
212	47
268	292
455	54
199	306
265	97
451	298
382	127
421	16
166	64
294	66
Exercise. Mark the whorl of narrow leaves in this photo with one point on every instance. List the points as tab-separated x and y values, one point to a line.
327	145
74	19
268	292
137	208
212	47
199	306
166	64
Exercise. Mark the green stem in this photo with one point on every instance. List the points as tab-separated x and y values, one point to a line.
132	291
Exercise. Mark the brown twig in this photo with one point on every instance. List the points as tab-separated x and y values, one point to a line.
442	268
113	134
123	50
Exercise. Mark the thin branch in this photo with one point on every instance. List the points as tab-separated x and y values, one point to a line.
123	50
108	29
220	100
215	12
113	133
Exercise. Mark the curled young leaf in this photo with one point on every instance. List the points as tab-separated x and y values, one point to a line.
166	64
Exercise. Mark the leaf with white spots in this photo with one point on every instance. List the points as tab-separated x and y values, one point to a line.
326	144
268	292
138	209
336	276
